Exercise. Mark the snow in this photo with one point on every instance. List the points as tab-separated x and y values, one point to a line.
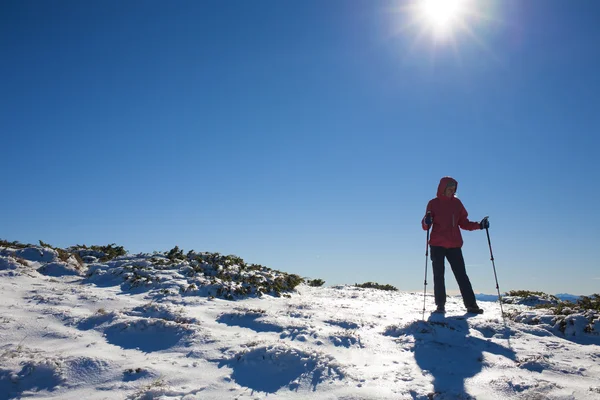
148	327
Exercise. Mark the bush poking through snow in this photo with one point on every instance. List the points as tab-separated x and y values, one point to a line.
205	274
199	274
374	285
175	254
316	282
528	293
590	303
64	255
103	253
21	261
138	370
568	318
585	303
12	262
152	390
15	245
529	298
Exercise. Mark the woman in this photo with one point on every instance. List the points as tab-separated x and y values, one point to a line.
447	215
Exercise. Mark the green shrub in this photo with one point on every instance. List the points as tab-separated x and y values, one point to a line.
567	307
561	308
44	244
110	251
64	255
529	293
590	303
374	285
15	244
175	254
316	282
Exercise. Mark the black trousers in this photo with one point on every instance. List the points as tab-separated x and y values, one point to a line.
457	263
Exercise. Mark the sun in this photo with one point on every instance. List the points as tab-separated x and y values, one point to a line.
440	25
442	16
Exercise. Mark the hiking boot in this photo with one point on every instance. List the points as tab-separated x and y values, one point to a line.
474	310
440	310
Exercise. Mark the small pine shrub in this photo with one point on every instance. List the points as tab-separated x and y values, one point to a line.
316	282
374	285
15	244
110	251
561	308
586	303
529	293
590	303
64	255
44	244
568	307
175	254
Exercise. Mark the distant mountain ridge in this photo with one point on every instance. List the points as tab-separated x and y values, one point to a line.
568	297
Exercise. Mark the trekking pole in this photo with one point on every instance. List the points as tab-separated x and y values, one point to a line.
426	257
494	266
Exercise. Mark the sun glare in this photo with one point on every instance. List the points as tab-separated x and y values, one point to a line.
439	25
442	15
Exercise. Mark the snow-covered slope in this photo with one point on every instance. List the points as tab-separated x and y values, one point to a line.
134	327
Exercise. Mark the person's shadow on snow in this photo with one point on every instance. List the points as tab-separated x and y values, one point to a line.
445	350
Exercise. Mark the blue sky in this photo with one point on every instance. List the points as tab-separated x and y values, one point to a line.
307	136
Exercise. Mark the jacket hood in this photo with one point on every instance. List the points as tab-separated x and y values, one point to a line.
443	183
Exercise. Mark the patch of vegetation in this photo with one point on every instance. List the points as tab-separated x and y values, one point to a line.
208	274
175	254
561	314
44	244
189	288
15	244
16	352
232	277
374	285
316	282
561	308
108	252
147	391
64	255
530	293
21	261
286	283
134	371
137	275
111	251
585	303
590	303
225	261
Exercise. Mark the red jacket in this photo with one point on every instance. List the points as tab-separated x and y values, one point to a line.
448	215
